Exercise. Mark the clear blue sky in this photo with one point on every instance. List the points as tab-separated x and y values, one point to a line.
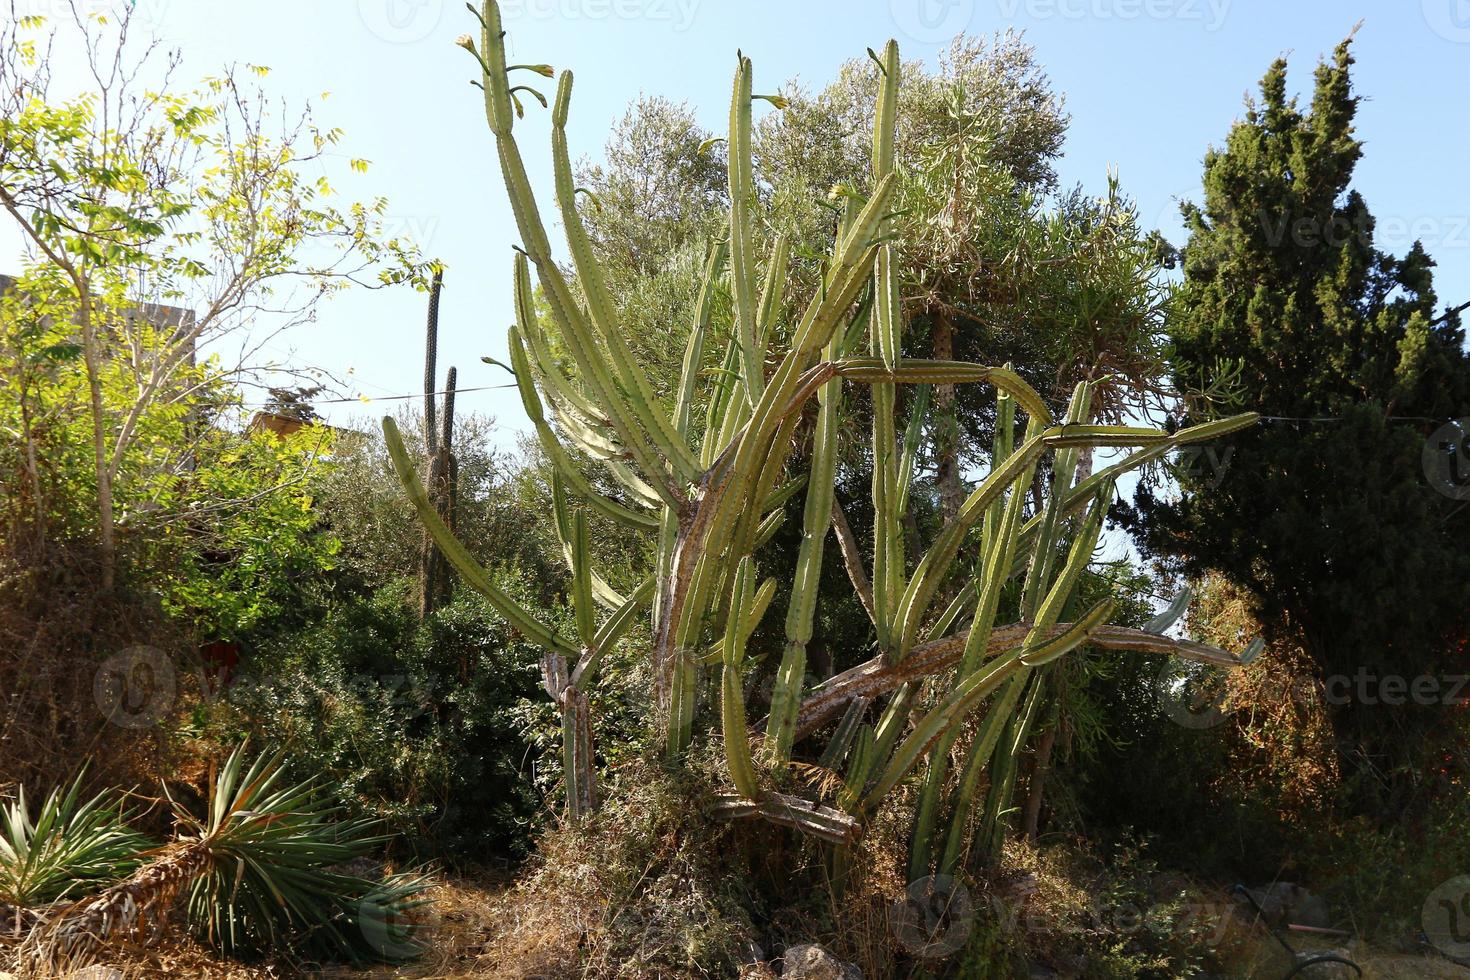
1149	83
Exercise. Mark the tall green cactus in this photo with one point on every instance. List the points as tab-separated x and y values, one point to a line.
442	480
710	497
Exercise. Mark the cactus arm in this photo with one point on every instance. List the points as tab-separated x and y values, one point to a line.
608	635
564	464
977	758
575	331
732	694
779	496
1001	526
970	692
496	87
936	562
842	738
911	438
802	607
968	594
885	116
694	349
632	381
876	677
888	560
582	603
584	424
1073	636
915	370
719	422
1003	768
431	354
773	293
472	572
1064	469
603	593
526	321
742	257
1171	614
885	338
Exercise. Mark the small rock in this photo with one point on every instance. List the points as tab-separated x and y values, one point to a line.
96	972
811	962
1283	902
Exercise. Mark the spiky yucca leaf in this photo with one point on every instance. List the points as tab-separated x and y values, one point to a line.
71	846
270	879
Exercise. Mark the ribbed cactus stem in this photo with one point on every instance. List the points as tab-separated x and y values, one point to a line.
431	357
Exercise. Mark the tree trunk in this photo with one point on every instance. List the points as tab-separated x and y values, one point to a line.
107	536
581	774
1039	769
946	443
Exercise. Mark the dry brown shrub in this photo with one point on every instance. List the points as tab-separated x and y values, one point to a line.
63	645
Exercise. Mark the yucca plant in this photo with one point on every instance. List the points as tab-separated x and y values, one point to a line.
261	871
712	496
70	846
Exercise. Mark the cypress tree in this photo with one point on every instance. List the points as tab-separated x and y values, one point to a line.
1338	522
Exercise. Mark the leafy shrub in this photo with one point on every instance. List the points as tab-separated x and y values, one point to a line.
419	724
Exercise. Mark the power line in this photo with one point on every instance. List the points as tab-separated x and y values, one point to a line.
363	399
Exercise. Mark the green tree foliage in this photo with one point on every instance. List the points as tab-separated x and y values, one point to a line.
1326	517
993	257
159	221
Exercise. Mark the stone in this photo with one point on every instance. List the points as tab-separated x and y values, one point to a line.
810	961
1283	902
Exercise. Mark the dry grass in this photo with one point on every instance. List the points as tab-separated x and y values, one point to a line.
463	917
486	926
